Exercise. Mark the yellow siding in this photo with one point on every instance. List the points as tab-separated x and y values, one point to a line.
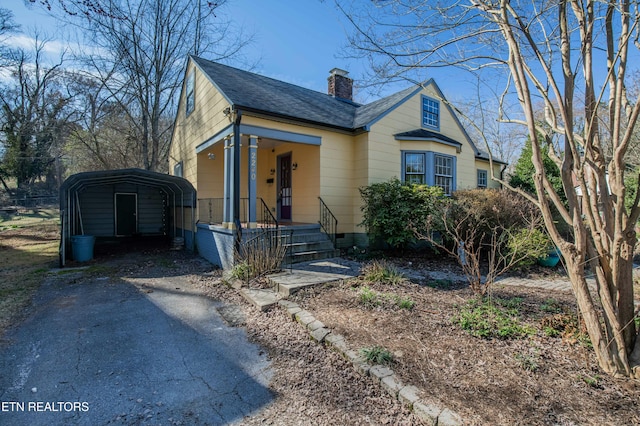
335	170
325	171
385	152
206	119
360	176
497	169
210	172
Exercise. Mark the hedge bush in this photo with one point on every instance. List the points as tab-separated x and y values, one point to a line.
393	209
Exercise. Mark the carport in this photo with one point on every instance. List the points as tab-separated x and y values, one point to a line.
126	203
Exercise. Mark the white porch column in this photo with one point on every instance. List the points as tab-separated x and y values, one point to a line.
234	183
228	169
253	172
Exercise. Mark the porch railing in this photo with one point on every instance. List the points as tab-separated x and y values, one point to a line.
328	222
211	210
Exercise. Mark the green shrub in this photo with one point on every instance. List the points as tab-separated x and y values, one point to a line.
528	245
498	228
485	319
404	302
377	355
594	381
551	306
528	362
381	271
392	209
524	170
369	298
241	271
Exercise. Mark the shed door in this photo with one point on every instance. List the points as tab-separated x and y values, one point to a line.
126	207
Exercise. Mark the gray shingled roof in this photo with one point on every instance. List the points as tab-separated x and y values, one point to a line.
426	134
485	156
367	114
258	93
254	92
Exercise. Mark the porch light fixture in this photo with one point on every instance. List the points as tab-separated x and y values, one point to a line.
227	111
294	166
211	156
272	172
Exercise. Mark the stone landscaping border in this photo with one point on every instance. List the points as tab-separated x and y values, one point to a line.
408	395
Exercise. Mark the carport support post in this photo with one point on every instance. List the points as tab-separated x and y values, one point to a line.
226	208
253	171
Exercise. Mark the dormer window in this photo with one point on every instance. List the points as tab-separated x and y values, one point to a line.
430	113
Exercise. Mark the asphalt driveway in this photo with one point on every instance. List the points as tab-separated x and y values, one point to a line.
128	350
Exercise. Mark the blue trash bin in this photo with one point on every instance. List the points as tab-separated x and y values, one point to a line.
82	247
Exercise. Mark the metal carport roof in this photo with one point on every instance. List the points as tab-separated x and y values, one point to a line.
180	194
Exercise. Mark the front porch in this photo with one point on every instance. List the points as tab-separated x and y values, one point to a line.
253	180
250	175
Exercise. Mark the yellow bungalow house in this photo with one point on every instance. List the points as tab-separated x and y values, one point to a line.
261	151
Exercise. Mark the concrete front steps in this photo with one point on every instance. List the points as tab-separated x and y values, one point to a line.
308	242
301	275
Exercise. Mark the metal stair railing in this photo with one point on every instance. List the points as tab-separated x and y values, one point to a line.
268	219
328	222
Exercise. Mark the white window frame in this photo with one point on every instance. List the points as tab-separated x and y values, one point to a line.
430	113
429	175
409	176
483	178
177	169
443	173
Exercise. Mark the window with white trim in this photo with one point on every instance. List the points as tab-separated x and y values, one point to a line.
443	166
482	178
190	93
429	168
430	113
414	167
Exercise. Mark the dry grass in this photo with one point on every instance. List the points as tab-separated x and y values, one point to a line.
28	249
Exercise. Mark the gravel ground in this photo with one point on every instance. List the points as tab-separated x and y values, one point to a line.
314	385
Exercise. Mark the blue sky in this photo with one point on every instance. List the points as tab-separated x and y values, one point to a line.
295	41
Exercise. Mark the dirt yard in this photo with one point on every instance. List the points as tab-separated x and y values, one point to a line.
538	369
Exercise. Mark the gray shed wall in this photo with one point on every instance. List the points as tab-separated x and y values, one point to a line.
97	207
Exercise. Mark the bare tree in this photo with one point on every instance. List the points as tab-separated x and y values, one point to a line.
571	57
484	250
104	137
138	52
34	118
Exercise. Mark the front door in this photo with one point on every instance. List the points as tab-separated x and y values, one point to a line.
284	187
126	210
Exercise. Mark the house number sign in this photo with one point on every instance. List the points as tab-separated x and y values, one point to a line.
253	164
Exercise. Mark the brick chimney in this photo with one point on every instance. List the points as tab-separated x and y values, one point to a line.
340	86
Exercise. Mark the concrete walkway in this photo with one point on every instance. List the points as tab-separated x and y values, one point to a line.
301	275
314	272
329	270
